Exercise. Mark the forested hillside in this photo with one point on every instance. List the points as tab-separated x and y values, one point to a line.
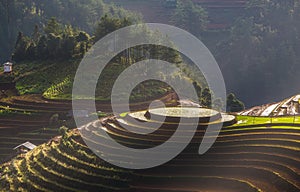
262	44
262	54
24	16
47	144
57	45
255	42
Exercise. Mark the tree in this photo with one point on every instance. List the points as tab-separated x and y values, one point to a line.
53	27
190	17
206	98
233	104
109	24
63	130
65	44
198	89
36	34
42	50
218	104
262	49
54	45
24	15
83	36
31	52
68	46
82	49
20	48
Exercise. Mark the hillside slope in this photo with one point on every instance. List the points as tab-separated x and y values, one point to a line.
36	77
250	158
289	106
54	80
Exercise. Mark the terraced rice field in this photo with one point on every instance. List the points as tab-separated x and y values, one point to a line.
19	128
82	171
287	107
36	103
255	159
26	118
29	119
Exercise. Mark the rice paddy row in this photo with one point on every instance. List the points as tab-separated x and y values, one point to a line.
257	159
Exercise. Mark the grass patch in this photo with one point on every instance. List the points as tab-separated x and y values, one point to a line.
6	78
62	87
37	77
250	120
5	112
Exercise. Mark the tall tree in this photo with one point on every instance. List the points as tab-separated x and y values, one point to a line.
36	34
233	104
53	27
206	99
109	24
190	16
21	47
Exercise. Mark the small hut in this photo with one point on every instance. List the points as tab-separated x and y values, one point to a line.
25	147
7	67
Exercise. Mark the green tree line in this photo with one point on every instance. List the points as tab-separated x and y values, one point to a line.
54	42
24	15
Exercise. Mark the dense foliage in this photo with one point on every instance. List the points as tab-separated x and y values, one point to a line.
190	16
233	104
57	42
24	15
261	55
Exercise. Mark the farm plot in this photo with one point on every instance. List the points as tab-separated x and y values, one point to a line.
254	158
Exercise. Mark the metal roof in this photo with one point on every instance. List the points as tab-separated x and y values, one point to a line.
27	144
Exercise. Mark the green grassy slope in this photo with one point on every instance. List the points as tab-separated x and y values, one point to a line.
55	80
37	77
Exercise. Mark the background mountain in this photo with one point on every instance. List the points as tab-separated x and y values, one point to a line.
255	42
